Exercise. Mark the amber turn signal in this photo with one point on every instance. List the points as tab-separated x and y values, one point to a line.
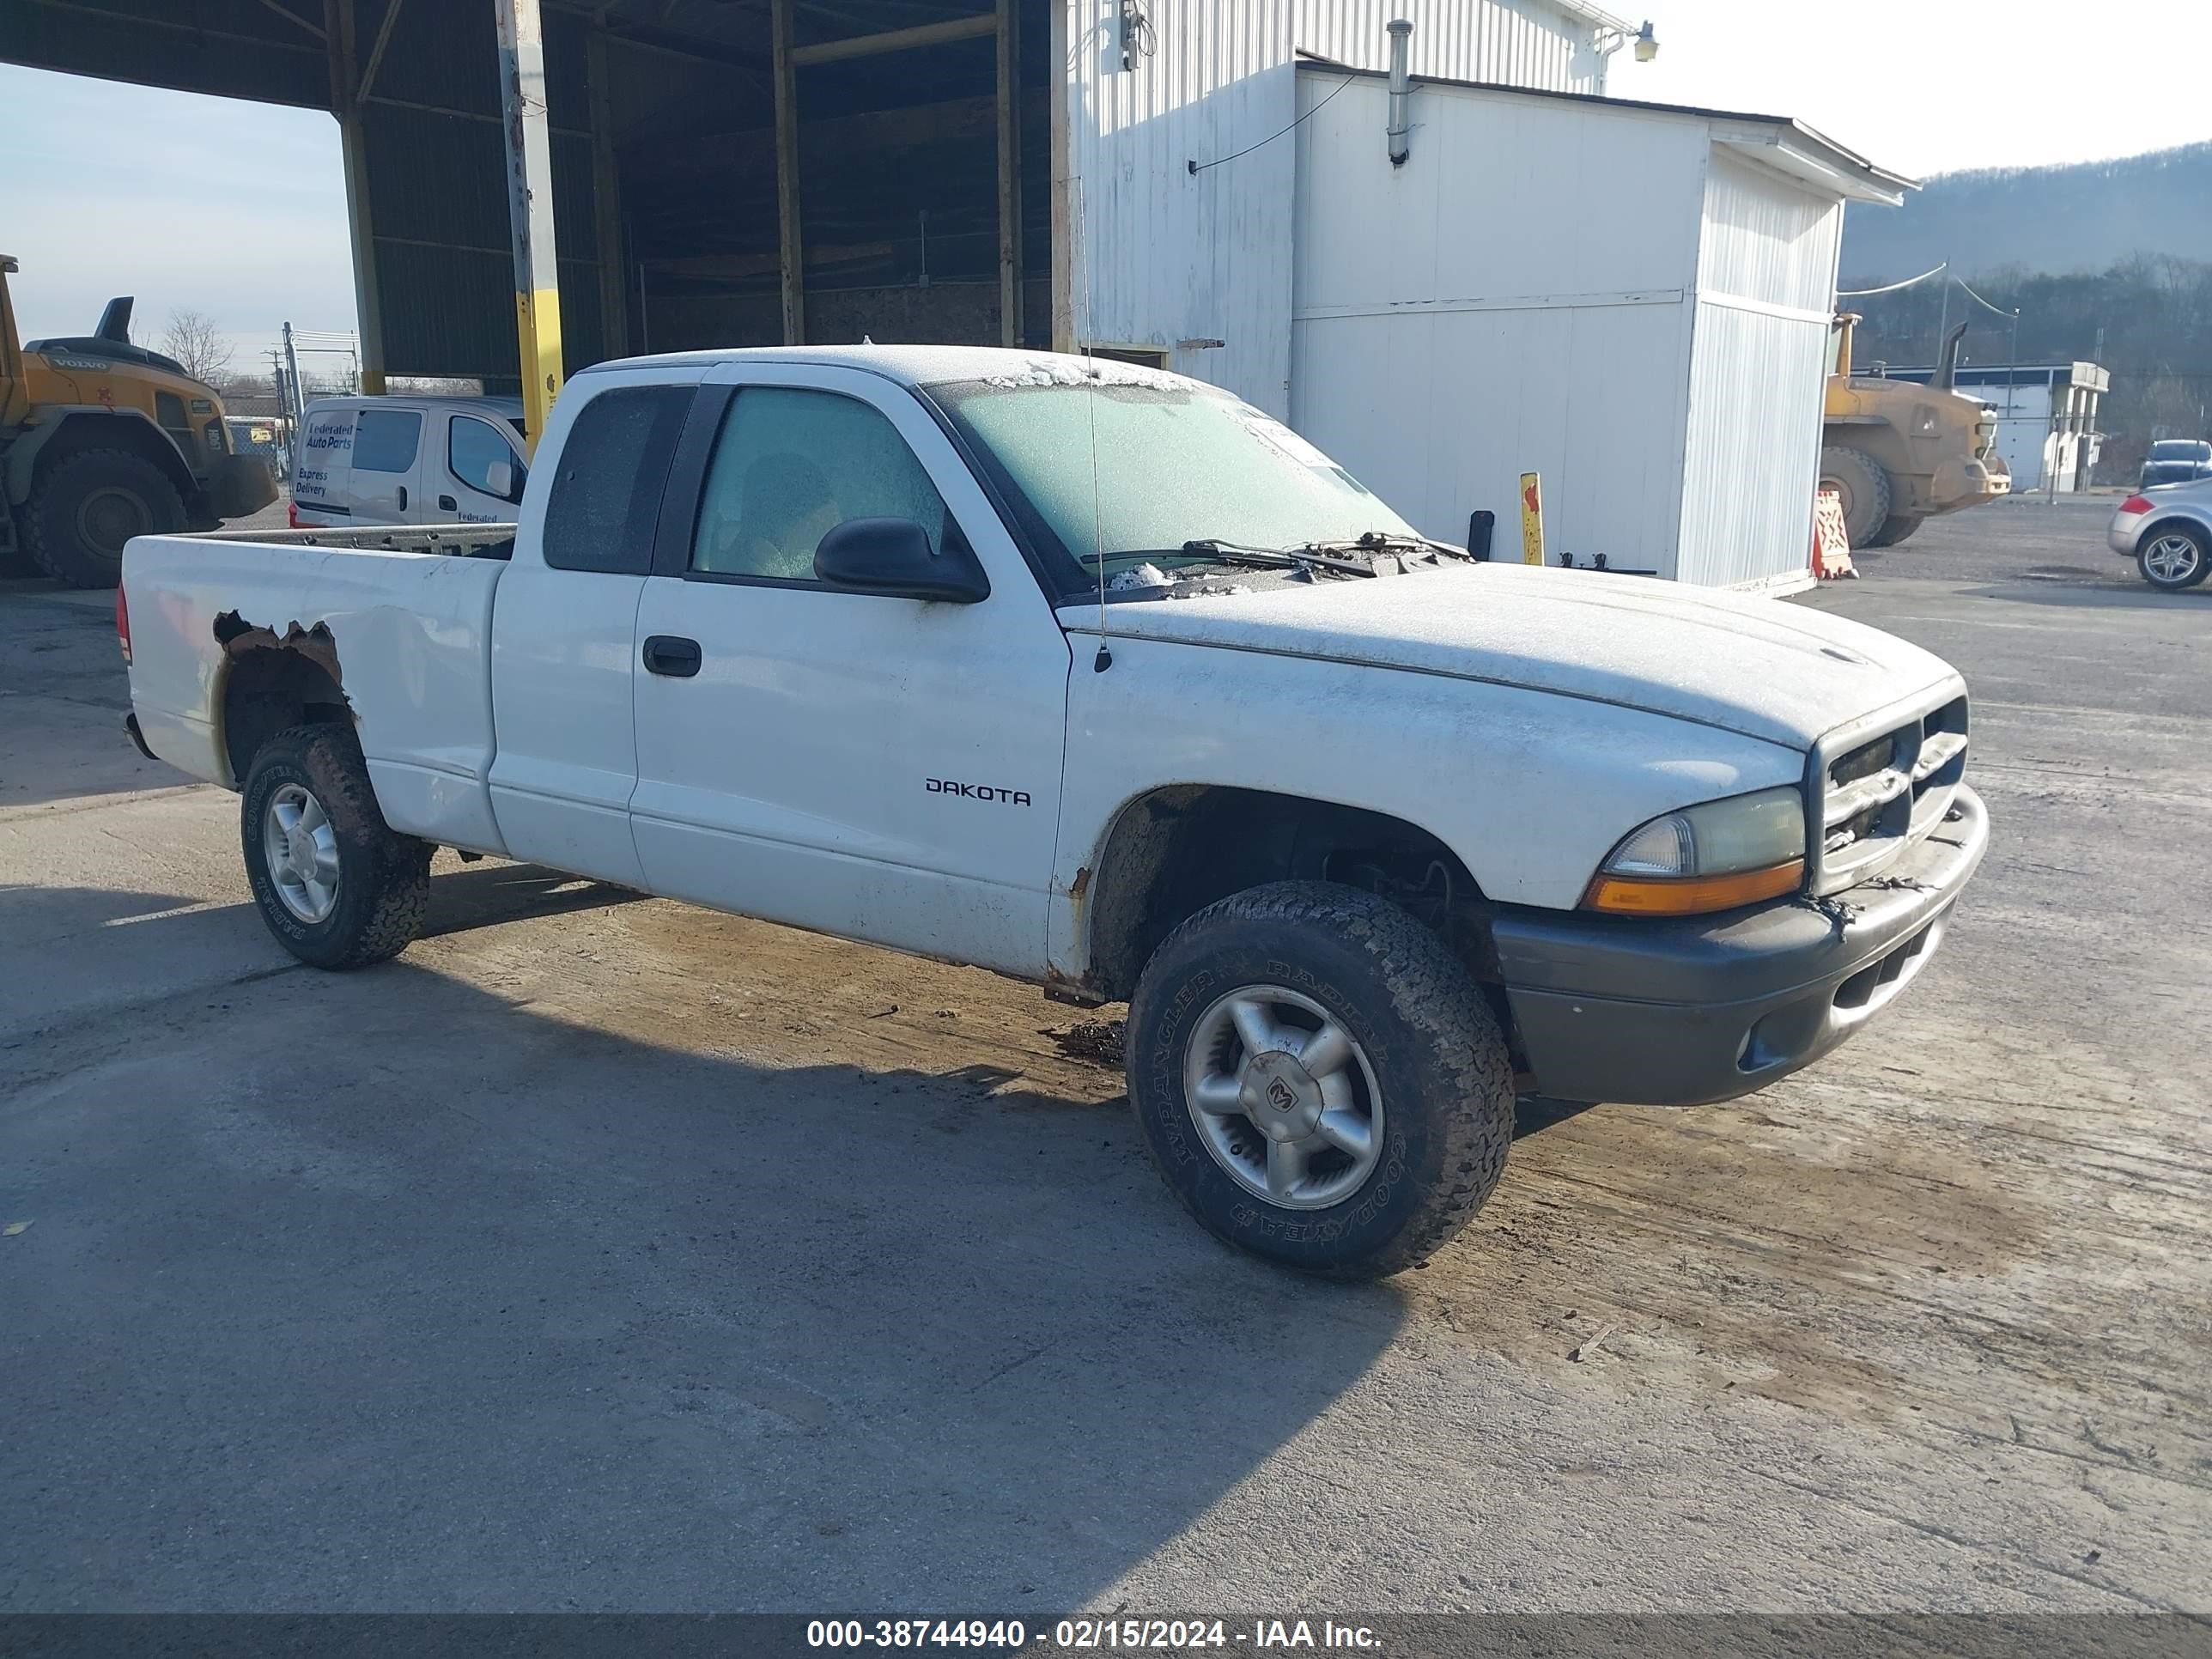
1692	896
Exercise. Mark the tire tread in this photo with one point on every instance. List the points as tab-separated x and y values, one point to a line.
1431	990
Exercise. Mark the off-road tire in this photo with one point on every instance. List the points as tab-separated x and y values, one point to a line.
1865	488
2190	533
1422	1020
52	531
1894	531
384	877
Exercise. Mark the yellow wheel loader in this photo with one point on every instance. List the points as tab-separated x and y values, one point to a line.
101	441
1898	452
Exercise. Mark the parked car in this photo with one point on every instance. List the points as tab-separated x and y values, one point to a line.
2168	531
408	460
1094	677
2176	460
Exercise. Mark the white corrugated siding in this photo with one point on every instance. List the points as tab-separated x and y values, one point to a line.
1758	362
1163	256
1520	46
1514	299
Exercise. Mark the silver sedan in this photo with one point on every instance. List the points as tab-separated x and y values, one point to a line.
2168	531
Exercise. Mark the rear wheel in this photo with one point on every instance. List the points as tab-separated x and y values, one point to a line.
1858	478
1894	531
336	885
1319	1080
2174	556
87	505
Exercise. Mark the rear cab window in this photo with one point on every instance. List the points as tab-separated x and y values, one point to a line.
608	480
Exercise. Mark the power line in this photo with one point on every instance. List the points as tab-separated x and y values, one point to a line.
1201	166
1862	293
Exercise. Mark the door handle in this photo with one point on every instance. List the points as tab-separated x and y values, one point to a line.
671	654
403	498
447	504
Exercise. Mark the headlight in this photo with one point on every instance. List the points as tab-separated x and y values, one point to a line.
1711	857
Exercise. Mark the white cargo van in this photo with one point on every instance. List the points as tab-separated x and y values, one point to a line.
408	460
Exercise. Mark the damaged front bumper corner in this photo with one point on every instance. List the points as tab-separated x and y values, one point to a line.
1643	1011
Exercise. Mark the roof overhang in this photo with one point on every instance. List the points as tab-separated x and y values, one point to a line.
1792	148
1777	142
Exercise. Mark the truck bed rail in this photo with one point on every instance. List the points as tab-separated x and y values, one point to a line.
473	541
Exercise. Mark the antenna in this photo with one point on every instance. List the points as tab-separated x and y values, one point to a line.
1104	660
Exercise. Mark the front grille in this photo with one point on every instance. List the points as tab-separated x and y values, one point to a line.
1880	794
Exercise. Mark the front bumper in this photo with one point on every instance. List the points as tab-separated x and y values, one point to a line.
1642	1012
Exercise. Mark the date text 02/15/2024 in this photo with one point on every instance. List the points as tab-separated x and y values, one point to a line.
1090	1635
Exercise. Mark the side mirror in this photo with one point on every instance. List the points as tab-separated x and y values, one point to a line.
500	480
892	557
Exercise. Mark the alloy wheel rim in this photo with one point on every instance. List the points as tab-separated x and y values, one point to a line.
1283	1097
2171	558
301	850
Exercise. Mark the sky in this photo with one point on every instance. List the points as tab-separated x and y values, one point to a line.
239	210
1922	87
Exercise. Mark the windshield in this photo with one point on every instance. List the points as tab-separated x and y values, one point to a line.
1177	462
2180	449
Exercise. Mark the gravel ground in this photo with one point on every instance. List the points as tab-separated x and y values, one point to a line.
603	1253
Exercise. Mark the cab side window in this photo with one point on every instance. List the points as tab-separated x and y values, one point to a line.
384	440
788	467
607	481
473	448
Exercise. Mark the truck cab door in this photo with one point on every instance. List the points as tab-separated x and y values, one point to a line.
387	449
564	624
880	767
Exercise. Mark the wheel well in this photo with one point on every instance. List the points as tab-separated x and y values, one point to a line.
272	689
131	433
1177	850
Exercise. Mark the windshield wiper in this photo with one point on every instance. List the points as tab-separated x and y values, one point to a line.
1383	541
1312	557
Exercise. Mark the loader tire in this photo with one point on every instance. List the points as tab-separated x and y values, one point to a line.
1895	530
87	505
1859	479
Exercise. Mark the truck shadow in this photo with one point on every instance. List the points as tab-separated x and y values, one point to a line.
537	1312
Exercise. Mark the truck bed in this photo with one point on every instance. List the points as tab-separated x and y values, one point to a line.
401	616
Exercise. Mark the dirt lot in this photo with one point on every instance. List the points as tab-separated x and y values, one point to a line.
606	1254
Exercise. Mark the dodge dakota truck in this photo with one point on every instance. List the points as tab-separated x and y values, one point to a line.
1100	679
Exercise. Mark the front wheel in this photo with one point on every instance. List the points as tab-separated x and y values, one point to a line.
1319	1080
336	885
2175	557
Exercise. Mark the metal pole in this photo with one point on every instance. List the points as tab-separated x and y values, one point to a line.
791	257
1010	179
1943	327
606	205
345	104
530	210
298	398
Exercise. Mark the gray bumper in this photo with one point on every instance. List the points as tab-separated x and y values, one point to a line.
1674	1014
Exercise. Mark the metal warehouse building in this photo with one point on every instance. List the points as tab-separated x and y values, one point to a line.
1129	174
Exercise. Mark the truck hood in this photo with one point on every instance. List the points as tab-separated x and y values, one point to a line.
1784	673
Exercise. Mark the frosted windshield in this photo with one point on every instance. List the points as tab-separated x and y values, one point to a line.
1175	463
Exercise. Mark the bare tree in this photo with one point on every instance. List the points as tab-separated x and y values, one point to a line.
193	340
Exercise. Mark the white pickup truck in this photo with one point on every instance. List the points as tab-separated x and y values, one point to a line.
1097	678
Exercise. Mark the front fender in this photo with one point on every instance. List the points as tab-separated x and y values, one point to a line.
1530	789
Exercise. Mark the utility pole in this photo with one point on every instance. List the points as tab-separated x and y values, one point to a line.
298	401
